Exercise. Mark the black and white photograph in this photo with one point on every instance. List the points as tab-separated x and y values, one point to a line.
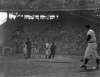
49	38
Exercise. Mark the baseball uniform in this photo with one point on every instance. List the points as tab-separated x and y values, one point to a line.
92	46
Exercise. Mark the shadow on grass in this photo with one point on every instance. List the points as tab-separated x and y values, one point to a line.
51	61
87	70
60	62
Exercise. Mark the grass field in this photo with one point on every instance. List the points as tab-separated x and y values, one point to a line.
61	66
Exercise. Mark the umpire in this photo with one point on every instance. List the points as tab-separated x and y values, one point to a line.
28	46
53	50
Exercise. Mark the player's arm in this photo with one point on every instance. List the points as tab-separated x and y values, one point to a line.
88	38
45	46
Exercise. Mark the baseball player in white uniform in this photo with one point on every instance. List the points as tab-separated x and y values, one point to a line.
48	51
91	48
25	50
34	49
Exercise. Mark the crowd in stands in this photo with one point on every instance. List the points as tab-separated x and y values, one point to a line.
68	34
51	4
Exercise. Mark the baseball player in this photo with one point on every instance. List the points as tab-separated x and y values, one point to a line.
91	48
53	50
28	47
34	49
25	50
48	51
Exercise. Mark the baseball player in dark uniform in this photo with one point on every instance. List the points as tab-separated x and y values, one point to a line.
53	50
91	48
28	47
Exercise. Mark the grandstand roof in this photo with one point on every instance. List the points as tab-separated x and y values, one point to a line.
48	5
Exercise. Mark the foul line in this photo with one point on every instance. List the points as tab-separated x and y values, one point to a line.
83	17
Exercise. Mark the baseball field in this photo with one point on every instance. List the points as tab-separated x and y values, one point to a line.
61	66
69	34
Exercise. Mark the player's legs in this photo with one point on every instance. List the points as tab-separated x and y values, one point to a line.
53	54
31	53
49	52
95	54
86	57
97	58
50	55
98	62
24	52
85	63
46	53
35	51
34	54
